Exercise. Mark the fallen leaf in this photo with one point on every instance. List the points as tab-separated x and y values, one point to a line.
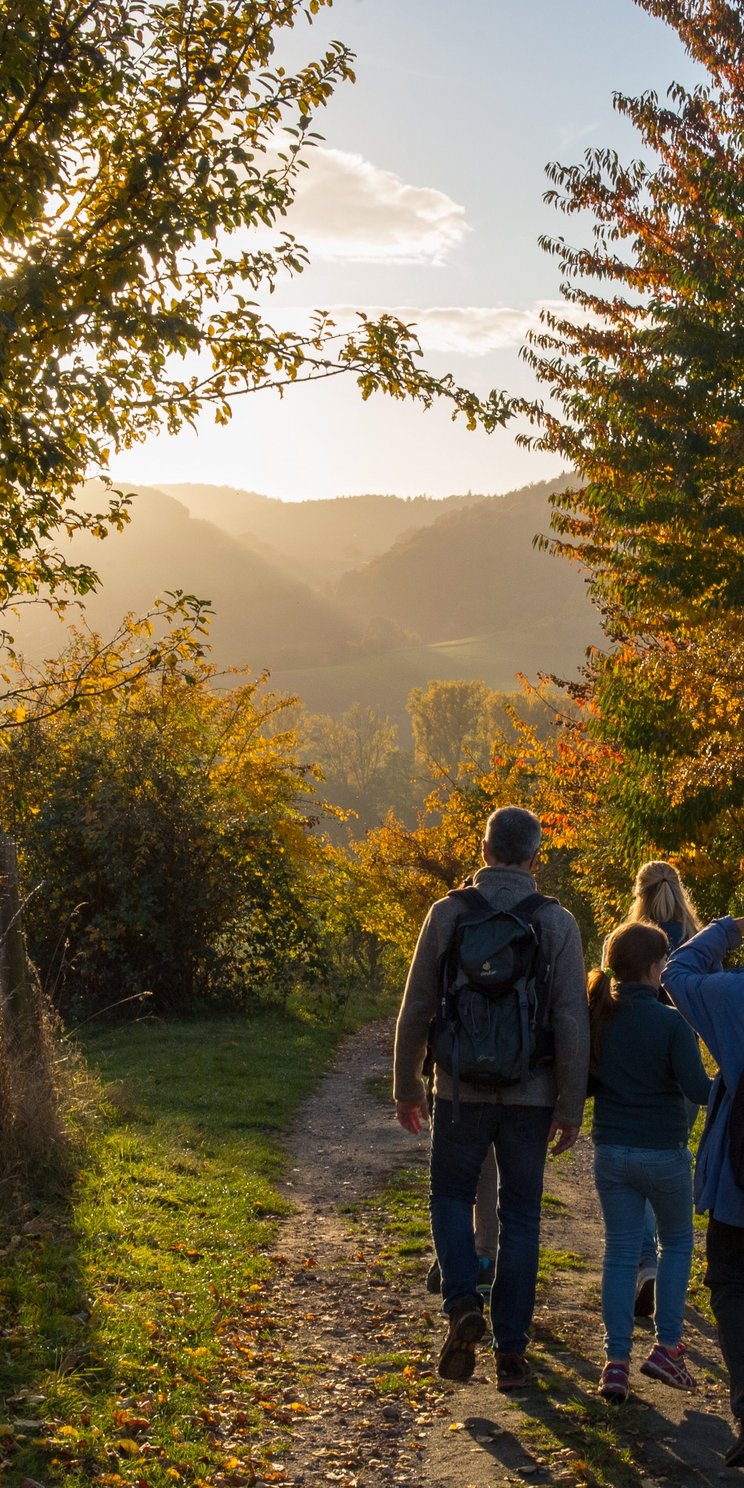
128	1446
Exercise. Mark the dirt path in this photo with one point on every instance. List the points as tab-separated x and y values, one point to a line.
348	1320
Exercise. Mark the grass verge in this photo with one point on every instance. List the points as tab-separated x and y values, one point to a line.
130	1301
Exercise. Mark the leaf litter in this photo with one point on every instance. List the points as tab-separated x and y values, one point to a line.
341	1347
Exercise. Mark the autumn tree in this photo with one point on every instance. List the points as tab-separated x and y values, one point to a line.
365	771
644	366
452	725
406	868
149	155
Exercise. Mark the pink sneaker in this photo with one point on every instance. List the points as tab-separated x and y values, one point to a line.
614	1382
668	1365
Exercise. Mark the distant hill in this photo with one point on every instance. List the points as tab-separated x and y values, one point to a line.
263	616
461	575
473	572
315	540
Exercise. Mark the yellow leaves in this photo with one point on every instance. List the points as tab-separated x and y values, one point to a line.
127	1446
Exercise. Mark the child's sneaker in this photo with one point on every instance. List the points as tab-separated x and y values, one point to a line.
668	1365
614	1382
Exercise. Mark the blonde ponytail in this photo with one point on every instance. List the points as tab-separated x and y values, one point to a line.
660	897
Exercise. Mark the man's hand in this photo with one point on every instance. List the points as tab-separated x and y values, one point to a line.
412	1115
566	1137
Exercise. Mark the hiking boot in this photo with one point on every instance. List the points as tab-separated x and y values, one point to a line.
466	1326
645	1297
434	1278
735	1455
614	1382
486	1273
512	1370
668	1365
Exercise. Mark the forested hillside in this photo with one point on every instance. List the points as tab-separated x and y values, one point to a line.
354	600
261	613
476	570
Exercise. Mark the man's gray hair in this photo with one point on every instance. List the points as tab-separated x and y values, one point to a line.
512	834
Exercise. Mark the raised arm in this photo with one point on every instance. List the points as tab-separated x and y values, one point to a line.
704	996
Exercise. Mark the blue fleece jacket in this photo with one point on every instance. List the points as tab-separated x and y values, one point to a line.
713	1002
648	1062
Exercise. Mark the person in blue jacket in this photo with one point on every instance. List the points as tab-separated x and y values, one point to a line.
645	1061
712	1001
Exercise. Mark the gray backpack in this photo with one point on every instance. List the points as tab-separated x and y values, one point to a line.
492	1026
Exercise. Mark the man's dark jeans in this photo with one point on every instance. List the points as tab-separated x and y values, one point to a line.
725	1277
520	1138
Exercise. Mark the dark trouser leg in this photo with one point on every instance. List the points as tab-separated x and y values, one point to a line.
725	1277
457	1153
521	1142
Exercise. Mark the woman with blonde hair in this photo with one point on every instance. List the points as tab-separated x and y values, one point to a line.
659	897
645	1061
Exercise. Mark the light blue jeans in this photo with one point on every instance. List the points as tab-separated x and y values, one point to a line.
649	1244
649	1247
626	1177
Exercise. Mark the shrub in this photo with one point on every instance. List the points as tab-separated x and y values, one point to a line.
163	842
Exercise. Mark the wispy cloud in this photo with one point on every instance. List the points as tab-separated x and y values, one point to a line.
465	330
346	207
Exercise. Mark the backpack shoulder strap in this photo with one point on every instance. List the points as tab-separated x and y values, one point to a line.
470	901
531	905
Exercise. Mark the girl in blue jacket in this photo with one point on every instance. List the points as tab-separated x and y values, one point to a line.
645	1061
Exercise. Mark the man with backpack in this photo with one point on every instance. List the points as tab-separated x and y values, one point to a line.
712	1000
500	969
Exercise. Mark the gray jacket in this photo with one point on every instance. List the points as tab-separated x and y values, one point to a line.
561	1084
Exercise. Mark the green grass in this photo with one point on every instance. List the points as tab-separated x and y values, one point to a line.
380	1087
385	680
400	1212
553	1261
120	1297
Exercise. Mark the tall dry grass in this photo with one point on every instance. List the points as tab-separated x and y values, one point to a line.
32	1079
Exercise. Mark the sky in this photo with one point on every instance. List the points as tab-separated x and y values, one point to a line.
425	199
